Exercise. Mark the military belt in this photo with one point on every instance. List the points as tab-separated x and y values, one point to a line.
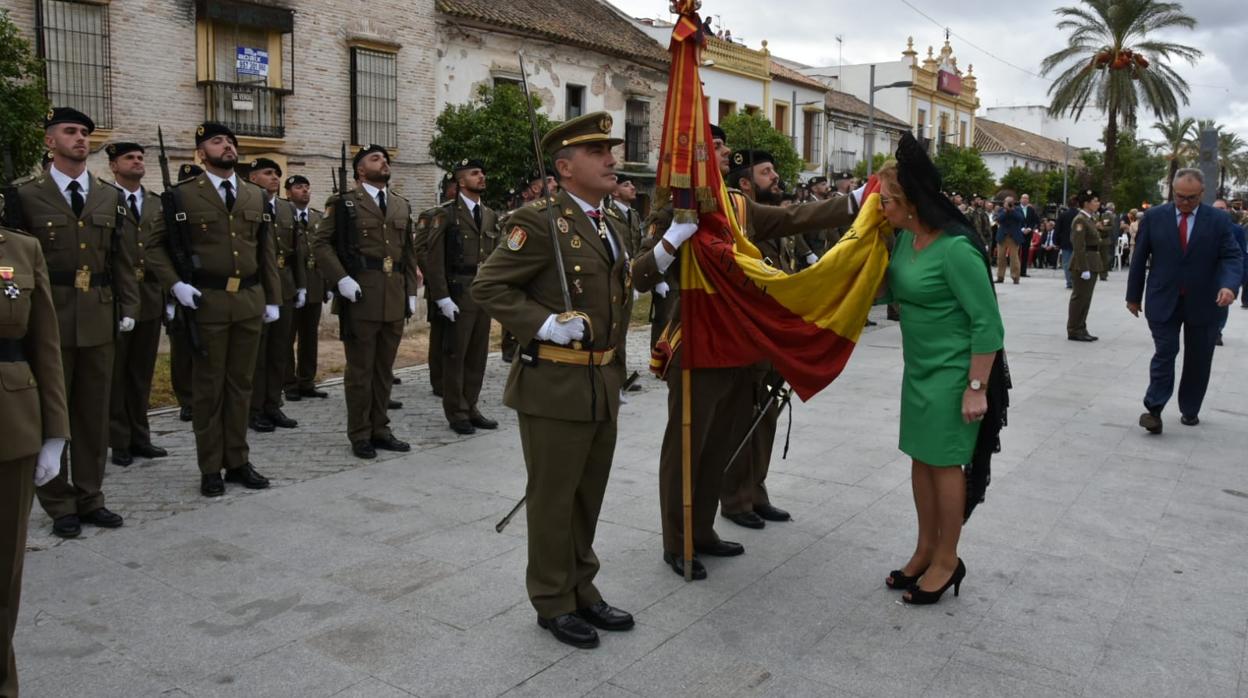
563	355
387	264
77	278
464	270
231	284
11	351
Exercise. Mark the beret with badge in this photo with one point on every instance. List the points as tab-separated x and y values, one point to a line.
265	164
189	171
67	115
469	164
366	151
742	160
116	150
211	129
295	180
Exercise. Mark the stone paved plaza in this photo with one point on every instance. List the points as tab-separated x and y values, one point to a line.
1105	562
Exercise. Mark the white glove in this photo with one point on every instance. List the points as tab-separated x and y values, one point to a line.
448	308
662	289
301	297
558	332
1086	275
636	295
348	289
271	314
678	233
858	193
125	324
811	258
48	465
329	296
169	311
186	294
411	305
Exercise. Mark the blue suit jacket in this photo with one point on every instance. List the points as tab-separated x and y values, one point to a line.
1010	223
1213	261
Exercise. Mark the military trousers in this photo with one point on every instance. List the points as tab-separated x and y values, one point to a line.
369	377
437	326
463	369
17	489
221	393
181	363
301	361
720	400
133	366
568	464
271	362
1080	302
77	489
658	318
744	483
1007	254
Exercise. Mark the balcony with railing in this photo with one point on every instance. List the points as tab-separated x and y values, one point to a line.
248	109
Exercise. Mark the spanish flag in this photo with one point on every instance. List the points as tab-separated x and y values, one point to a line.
735	309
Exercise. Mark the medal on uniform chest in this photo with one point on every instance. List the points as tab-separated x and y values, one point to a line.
577	287
10	289
562	225
576	241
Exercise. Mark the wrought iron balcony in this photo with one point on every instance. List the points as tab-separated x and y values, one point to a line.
248	109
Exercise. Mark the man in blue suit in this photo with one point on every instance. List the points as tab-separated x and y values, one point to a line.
1009	239
1195	271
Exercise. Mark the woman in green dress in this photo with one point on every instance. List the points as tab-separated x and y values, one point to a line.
951	334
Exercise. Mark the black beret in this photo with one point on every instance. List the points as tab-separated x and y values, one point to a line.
621	178
116	150
717	132
844	175
469	164
211	129
296	179
366	151
1086	195
67	115
817	180
265	164
189	171
743	159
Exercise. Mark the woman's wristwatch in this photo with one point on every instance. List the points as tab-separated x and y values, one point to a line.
976	385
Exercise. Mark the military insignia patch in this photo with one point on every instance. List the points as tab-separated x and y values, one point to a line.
199	131
516	239
562	225
51	114
604	124
576	242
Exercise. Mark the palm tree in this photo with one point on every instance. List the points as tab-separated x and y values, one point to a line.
1230	157
1114	64
1176	146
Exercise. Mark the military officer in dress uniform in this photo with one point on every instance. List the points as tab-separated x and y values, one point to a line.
36	419
272	360
135	359
301	366
80	221
179	352
234	290
461	235
380	287
981	221
623	198
565	382
1086	264
420	242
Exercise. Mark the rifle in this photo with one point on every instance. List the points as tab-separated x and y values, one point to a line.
776	391
345	245
333	180
452	256
178	235
10	204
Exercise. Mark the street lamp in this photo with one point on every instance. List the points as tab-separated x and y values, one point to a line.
871	114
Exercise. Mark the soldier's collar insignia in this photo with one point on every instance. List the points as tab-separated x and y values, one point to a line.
576	242
516	239
562	225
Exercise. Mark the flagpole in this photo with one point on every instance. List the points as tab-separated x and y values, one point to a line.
686	467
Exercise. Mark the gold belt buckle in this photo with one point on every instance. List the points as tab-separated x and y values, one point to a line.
281	261
82	279
233	284
139	273
311	262
387	265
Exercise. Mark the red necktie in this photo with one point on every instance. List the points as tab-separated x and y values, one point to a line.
1183	231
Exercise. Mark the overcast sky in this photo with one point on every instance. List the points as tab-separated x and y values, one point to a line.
1018	33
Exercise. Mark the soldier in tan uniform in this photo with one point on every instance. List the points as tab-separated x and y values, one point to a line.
461	235
36	417
565	381
80	221
379	284
135	359
420	245
623	199
179	352
1086	264
301	366
234	290
271	362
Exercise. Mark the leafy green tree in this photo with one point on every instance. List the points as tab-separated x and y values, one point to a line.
1136	172
22	100
963	170
1024	181
1115	62
860	170
1177	146
751	131
493	128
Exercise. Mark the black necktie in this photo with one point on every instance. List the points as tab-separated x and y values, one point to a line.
229	194
303	217
134	207
381	202
272	210
76	201
596	216
476	216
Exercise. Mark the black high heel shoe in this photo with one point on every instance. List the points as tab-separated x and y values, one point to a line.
900	581
919	597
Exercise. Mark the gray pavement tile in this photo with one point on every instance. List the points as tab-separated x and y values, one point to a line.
391	575
471	596
46	645
579	673
467	544
1126	674
1053	647
292	670
692	667
969	681
372	688
102	674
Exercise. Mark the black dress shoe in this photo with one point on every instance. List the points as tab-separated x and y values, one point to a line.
1080	338
1189	420
211	485
634	387
363	449
395	380
606	617
293	396
1151	422
148	451
770	513
261	423
103	518
571	630
247	476
677	563
872	323
463	426
279	419
482	422
720	548
184	413
313	392
122	457
746	518
390	443
67	526
1218	341
394	405
437	392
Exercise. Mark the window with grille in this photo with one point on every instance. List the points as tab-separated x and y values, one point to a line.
73	41
374	98
637	131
